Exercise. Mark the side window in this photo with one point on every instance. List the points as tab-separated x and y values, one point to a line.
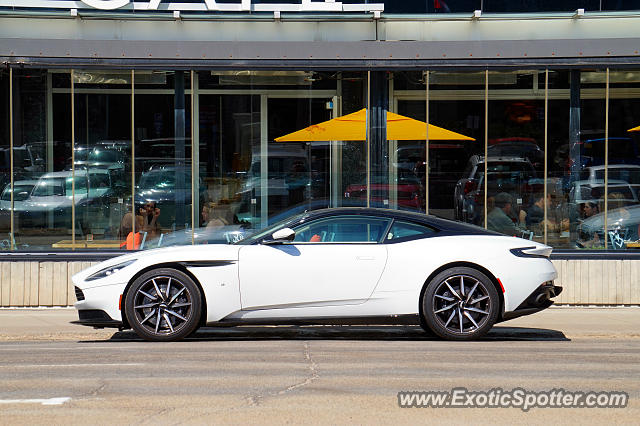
407	230
342	229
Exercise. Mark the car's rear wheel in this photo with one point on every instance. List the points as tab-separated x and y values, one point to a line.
163	305
460	304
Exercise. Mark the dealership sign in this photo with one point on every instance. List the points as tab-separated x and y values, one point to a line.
202	6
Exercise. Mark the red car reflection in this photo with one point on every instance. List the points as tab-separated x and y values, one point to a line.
410	193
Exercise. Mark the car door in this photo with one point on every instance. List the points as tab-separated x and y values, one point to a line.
332	261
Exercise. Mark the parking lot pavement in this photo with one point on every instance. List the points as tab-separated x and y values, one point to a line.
566	322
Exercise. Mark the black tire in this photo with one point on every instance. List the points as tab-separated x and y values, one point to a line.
460	304
163	305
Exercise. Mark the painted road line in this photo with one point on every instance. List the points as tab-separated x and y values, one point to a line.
49	401
123	364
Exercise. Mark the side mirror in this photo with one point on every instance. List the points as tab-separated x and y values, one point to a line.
281	236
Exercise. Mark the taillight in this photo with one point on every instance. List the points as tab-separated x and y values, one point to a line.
469	186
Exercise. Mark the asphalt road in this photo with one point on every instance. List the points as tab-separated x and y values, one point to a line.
311	374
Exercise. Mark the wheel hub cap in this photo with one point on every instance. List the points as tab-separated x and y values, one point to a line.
461	303
162	305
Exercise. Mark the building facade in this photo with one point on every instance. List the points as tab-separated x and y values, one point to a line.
133	125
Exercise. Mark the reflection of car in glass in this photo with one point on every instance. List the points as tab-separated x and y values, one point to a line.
618	191
622	150
623	225
517	147
409	190
26	163
205	235
98	157
446	161
317	204
337	264
506	174
288	181
51	199
151	152
629	173
159	183
21	192
165	184
115	161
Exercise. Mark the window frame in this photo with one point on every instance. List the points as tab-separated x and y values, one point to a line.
410	237
389	220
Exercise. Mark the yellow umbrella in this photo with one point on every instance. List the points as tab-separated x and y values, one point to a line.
635	129
352	127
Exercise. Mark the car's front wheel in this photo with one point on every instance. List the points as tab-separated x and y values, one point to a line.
163	305
460	304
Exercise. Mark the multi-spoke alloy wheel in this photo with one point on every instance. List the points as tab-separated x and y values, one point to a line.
163	304
461	304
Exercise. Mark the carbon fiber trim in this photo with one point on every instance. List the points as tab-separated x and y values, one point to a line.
207	263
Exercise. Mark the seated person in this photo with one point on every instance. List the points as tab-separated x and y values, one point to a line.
589	209
535	213
498	219
216	215
533	218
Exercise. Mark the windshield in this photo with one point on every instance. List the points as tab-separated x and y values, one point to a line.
97	155
21	191
58	186
163	179
261	233
49	186
99	180
104	156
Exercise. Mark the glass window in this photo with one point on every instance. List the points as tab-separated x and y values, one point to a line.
42	216
163	156
250	177
515	149
102	158
342	229
406	230
456	103
622	229
5	164
519	6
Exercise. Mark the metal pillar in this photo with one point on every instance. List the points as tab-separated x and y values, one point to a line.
180	149
378	144
574	123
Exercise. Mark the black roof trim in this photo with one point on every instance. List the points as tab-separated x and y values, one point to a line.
443	226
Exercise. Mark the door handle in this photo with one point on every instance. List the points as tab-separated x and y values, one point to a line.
365	258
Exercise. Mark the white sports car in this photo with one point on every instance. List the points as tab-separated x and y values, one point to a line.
329	265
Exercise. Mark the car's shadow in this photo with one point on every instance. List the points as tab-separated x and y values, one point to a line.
359	332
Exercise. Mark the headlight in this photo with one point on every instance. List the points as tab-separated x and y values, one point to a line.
109	271
544	252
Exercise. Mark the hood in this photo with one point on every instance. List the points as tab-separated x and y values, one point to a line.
144	259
